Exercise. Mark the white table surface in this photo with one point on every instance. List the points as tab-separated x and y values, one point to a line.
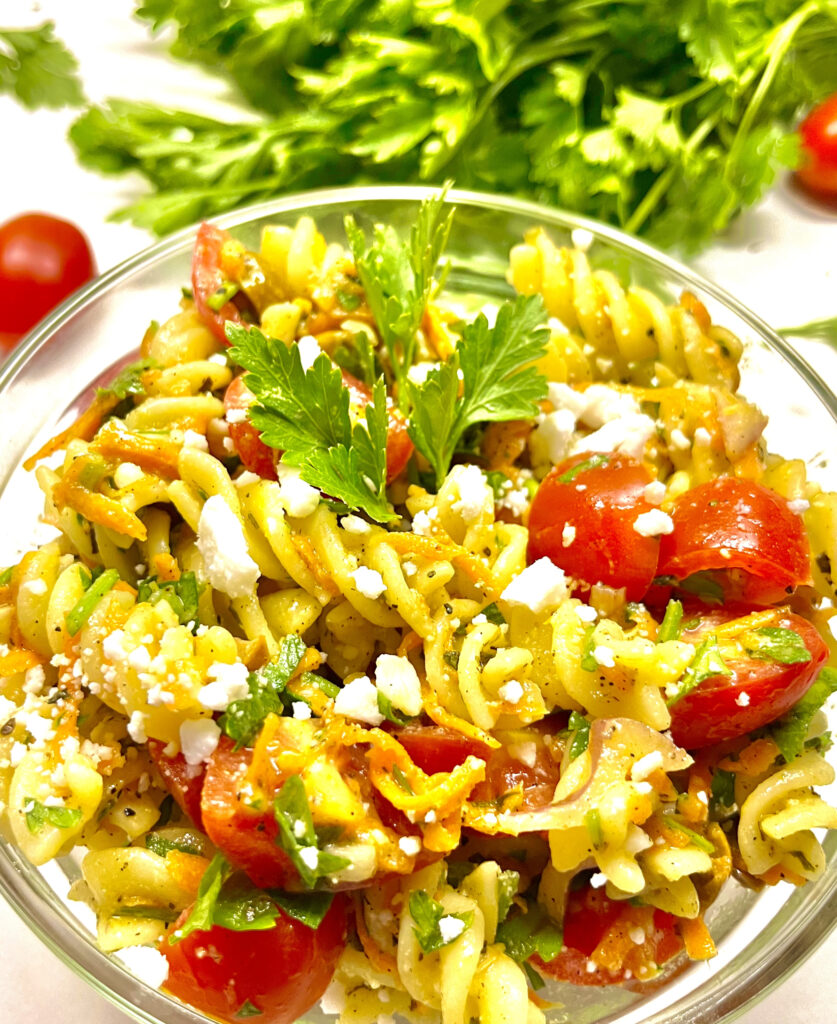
780	259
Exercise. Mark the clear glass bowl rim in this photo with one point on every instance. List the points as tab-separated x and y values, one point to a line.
712	1003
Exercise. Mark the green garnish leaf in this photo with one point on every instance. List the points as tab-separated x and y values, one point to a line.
593	824
533	931
398	277
358	357
308	907
497	380
83	609
493	614
161	846
6	576
38	69
38	815
588	662
706	663
579	727
722	793
581	467
704	586
790	732
247	1009
297	836
388	711
701	842
401	779
427	914
243	719
241	907
203	910
222	295
671	626
774	643
129	380
181	595
508	882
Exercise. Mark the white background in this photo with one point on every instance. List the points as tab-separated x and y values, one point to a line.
780	259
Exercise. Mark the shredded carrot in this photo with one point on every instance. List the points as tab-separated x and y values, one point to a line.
696	938
434	548
165	567
305	549
749	466
443	717
84	428
691	806
755	620
778	874
692	304
18	660
98	509
379	958
153	454
411	642
754	760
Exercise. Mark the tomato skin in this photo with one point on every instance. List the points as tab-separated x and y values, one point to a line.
246	836
729	523
601	503
183	781
711	713
435	748
589	915
253	452
208	277
399	445
818	132
43	259
281	971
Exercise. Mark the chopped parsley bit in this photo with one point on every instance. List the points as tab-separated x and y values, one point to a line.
791	731
701	842
774	643
222	295
402	780
161	846
588	662
297	836
525	933
581	467
129	380
579	727
593	824
247	1009
671	626
38	815
181	595
706	663
429	919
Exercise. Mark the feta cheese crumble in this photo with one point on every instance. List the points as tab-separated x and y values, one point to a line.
603	656
567	535
223	548
227	683
450	927
198	739
359	700
511	692
145	963
309	349
369	582
653	523
411	845
299	498
475	496
541	586
398	681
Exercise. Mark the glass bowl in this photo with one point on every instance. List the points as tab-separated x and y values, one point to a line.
761	937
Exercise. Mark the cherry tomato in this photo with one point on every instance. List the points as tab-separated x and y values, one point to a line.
435	748
758	691
729	524
182	780
43	259
245	835
208	278
819	149
277	974
583	519
252	451
589	916
259	458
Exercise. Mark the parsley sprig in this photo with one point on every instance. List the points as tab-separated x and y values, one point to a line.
305	414
426	914
491	367
399	276
38	69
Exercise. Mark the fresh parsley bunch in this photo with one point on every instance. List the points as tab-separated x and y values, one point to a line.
663	116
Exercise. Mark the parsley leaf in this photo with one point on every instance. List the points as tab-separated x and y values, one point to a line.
38	69
579	727
243	719
498	382
38	815
706	663
308	907
129	379
202	916
722	793
529	932
398	277
161	846
593	462
508	882
790	731
180	595
427	914
248	1009
297	836
774	643
671	625
306	415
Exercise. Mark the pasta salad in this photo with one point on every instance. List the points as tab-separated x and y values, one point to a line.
414	663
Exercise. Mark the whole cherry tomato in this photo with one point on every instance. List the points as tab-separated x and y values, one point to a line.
819	149
43	259
745	534
583	519
276	974
757	691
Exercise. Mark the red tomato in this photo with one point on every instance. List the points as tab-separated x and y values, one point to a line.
183	781
43	259
731	524
589	915
712	712
208	277
259	458
435	748
245	835
819	149
600	503
280	972
252	451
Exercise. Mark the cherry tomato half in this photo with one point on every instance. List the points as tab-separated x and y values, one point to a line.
276	974
590	914
208	278
583	520
259	458
245	835
729	524
43	259
819	149
182	780
757	692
